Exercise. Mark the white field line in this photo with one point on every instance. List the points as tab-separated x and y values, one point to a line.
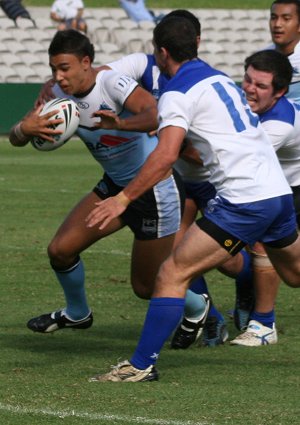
94	416
92	251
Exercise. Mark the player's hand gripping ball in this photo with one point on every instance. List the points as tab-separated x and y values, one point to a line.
69	112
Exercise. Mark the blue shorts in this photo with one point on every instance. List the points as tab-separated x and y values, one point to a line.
200	193
155	214
266	221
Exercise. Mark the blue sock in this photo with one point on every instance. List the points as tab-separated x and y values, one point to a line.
266	319
162	318
214	312
194	305
245	277
72	282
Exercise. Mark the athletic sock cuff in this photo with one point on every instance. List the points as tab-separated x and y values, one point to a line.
167	301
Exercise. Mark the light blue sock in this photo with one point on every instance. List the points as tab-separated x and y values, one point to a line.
199	286
161	320
194	305
266	319
72	282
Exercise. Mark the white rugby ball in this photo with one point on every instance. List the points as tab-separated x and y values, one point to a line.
69	112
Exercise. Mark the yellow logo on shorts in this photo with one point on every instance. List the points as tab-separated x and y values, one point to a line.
228	242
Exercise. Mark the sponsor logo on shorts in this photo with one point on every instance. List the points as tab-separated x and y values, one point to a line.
102	186
149	226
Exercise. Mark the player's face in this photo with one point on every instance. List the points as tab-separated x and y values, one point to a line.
69	72
285	27
259	90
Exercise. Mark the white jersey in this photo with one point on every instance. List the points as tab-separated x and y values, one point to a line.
213	111
294	88
67	9
120	153
282	124
143	68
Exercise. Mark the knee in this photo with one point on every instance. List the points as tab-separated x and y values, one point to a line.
142	292
57	254
261	262
293	283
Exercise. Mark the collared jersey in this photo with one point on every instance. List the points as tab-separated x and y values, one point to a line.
282	125
120	153
143	68
294	88
213	111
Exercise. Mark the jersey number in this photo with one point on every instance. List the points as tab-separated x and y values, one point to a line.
237	120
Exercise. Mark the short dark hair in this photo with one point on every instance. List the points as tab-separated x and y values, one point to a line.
183	13
178	37
274	62
295	2
71	42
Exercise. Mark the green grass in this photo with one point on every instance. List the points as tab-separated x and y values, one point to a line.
43	378
172	4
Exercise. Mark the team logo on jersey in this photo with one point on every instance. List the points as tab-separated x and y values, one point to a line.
83	105
228	243
149	226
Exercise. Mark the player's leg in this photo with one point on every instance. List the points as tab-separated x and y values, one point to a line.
261	328
286	261
197	254
147	256
72	237
197	303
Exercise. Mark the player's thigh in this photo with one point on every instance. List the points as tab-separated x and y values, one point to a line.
147	257
196	254
74	235
189	216
286	261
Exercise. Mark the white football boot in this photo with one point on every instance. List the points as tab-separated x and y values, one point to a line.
255	335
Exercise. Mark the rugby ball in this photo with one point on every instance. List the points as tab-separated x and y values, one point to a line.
69	112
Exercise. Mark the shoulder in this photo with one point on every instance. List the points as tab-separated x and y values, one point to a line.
283	111
191	74
115	84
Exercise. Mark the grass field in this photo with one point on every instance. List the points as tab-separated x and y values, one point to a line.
44	378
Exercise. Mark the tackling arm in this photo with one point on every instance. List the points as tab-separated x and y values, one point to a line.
156	168
144	109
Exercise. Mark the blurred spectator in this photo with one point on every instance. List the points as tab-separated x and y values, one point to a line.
69	14
137	11
15	10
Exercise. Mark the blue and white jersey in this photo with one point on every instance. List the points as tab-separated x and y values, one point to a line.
213	111
294	88
120	153
282	125
143	68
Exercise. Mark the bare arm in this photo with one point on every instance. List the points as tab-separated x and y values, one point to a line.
190	154
144	109
157	167
55	17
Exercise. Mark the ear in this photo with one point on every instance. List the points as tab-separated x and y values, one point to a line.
164	53
280	93
86	62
